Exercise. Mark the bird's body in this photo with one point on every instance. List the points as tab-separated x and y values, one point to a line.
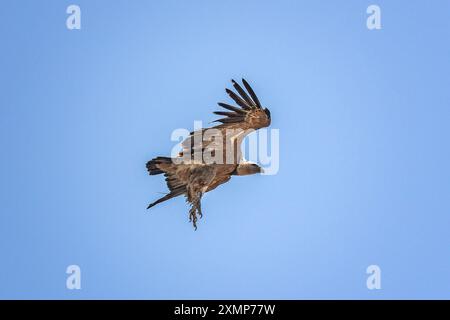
211	156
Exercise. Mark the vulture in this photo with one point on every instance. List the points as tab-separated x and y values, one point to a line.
211	156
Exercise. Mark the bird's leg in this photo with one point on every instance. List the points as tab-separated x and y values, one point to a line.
192	211
193	216
199	205
195	201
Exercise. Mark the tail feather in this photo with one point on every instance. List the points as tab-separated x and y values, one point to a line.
152	165
165	165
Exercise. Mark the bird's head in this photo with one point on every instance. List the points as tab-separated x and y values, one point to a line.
244	169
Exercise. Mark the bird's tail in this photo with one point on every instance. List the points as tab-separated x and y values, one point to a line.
165	165
154	165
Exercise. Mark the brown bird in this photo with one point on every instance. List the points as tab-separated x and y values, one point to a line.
210	156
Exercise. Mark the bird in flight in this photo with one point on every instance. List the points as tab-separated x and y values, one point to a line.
211	156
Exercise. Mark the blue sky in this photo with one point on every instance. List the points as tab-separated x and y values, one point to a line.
364	149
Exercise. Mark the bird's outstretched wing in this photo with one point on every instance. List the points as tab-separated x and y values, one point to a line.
237	122
249	115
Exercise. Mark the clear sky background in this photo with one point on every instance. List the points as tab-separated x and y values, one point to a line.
364	149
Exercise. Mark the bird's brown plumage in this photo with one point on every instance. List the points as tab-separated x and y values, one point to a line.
207	161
